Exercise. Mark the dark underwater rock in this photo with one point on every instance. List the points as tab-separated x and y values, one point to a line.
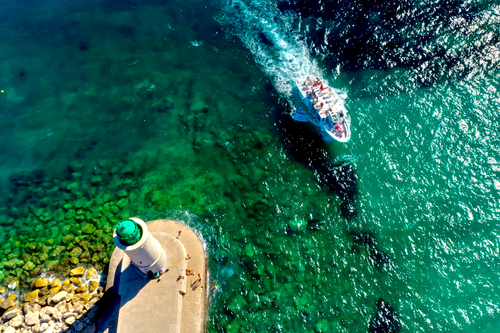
379	258
385	321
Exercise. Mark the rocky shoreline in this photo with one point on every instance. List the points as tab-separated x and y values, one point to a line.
55	305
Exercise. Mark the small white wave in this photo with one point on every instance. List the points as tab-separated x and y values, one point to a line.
196	43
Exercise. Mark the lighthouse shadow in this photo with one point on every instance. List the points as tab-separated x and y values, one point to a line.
304	145
124	287
131	283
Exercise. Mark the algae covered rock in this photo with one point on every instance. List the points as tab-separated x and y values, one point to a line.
88	228
29	266
79	271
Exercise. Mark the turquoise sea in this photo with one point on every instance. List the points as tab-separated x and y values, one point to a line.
180	110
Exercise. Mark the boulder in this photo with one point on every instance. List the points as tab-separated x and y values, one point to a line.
17	321
11	314
79	271
10	330
60	296
66	315
76	281
31	318
42	282
78	326
45	318
5	305
93	286
90	273
70	320
61	306
56	283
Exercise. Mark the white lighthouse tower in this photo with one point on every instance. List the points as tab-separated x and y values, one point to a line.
145	252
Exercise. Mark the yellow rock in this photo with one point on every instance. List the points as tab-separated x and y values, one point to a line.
31	295
76	281
56	289
87	297
90	273
93	286
66	282
42	282
3	290
79	271
81	289
55	283
12	297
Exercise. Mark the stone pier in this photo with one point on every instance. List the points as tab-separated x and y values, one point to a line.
169	304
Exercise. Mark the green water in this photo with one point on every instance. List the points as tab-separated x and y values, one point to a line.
152	110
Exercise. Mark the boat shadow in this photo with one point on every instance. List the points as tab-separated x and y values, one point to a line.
304	145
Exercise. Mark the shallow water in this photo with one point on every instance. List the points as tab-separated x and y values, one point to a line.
180	110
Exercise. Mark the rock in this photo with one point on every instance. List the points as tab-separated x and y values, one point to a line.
78	326
55	290
61	306
79	271
90	273
93	286
70	320
11	314
56	283
81	289
27	308
87	297
76	252
44	327
76	281
31	318
90	328
45	318
66	315
51	328
10	330
42	282
17	321
60	296
5	305
90	305
88	228
57	315
29	266
43	292
67	287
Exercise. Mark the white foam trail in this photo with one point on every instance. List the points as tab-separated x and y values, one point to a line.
283	57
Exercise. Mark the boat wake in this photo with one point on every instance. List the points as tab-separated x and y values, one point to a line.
269	34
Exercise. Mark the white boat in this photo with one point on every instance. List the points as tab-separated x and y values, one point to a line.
317	103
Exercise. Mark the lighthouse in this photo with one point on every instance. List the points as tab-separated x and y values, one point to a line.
145	252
